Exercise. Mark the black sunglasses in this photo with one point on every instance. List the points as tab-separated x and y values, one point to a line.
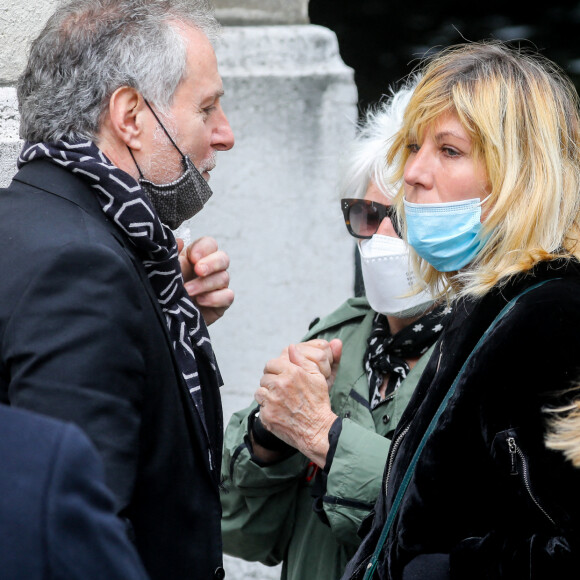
363	217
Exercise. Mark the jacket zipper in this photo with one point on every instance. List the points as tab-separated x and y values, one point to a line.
398	440
393	450
516	452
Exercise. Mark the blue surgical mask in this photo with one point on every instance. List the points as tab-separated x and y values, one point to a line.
447	235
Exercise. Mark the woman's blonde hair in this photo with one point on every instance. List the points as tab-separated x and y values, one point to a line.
521	113
564	432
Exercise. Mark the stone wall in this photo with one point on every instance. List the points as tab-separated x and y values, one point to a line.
19	22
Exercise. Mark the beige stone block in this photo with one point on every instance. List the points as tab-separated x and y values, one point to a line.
236	12
19	23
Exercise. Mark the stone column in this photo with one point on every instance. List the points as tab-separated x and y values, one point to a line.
291	102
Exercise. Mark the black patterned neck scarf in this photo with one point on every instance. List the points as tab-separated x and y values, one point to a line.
386	353
127	206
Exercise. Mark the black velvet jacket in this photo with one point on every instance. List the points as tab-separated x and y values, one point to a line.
486	495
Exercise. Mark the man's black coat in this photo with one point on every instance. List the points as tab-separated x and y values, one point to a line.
82	338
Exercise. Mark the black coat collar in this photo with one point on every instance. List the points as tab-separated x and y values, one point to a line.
51	178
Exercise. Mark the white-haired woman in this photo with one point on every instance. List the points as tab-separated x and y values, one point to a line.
305	508
488	155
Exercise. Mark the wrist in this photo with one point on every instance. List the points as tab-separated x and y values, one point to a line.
263	456
263	438
316	448
333	435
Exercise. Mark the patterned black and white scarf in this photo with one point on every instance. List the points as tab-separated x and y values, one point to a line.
124	202
386	353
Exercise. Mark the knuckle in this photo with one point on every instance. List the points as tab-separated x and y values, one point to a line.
292	376
220	280
224	259
319	355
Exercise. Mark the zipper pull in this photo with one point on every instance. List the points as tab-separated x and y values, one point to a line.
513	455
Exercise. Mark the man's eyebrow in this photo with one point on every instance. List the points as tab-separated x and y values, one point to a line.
211	97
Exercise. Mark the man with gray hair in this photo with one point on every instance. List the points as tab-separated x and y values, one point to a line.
121	117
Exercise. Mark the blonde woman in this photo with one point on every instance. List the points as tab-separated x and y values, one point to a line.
489	163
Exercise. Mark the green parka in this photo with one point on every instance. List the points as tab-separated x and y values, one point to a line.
267	510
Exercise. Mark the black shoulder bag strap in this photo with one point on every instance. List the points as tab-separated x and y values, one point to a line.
411	469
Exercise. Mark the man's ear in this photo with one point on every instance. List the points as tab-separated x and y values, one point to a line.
126	118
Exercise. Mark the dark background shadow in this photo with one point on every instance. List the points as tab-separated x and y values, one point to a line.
383	40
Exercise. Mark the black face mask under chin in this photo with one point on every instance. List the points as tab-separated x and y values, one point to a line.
178	200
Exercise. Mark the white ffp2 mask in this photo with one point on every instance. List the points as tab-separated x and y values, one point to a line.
388	277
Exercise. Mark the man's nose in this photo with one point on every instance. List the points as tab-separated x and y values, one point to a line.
223	136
